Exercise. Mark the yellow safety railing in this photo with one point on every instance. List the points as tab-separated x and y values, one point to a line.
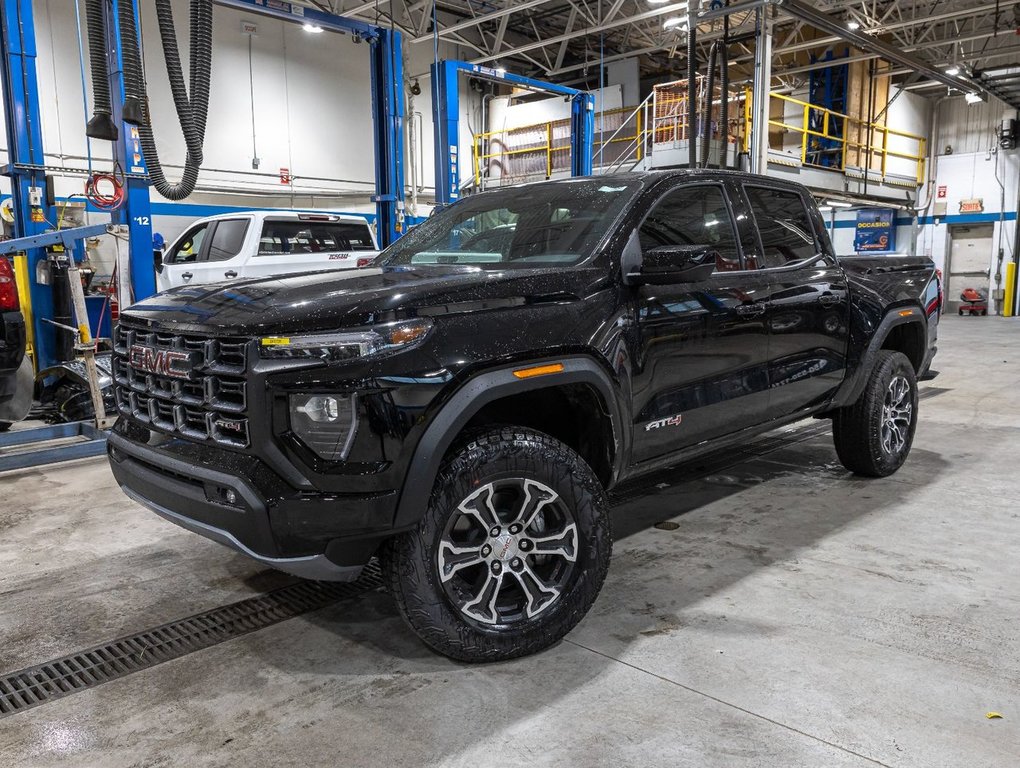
555	139
867	140
845	135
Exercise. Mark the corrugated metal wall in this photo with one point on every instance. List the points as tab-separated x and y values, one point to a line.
969	127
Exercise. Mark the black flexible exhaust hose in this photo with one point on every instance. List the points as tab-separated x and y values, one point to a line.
706	118
192	113
724	82
100	126
692	96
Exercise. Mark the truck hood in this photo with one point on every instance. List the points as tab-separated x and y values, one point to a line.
317	301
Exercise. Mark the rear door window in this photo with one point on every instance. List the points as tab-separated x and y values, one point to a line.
227	239
303	237
784	226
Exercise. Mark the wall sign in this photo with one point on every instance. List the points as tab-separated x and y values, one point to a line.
973	205
285	177
941	192
876	230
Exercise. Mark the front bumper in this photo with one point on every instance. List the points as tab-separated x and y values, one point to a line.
231	510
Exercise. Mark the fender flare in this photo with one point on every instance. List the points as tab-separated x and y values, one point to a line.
472	396
854	384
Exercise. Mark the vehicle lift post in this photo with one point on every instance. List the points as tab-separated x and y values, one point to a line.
446	118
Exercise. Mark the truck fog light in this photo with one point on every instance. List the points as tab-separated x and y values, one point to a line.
324	423
320	408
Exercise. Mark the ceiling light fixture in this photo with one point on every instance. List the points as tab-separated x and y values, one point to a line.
853	25
973	98
674	21
839	204
313	29
952	70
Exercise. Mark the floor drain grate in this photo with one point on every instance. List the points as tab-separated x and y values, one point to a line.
80	671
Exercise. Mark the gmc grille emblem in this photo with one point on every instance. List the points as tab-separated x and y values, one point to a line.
162	362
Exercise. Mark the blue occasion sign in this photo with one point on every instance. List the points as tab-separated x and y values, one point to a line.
876	230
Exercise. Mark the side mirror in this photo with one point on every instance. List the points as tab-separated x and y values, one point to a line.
668	264
157	261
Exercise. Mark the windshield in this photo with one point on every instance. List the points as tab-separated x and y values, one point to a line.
539	225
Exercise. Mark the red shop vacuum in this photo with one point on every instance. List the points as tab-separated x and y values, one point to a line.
974	301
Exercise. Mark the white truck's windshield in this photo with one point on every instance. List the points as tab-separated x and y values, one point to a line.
543	224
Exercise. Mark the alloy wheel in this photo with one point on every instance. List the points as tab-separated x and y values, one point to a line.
897	415
508	552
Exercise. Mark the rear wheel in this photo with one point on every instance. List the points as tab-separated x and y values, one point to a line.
873	436
511	552
5	425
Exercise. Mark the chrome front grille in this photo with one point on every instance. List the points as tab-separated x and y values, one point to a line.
183	384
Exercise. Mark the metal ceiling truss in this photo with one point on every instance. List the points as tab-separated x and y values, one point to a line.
553	39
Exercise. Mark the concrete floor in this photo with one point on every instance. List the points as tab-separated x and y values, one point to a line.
797	617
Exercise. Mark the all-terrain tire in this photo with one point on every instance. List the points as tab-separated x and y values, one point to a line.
492	459
866	442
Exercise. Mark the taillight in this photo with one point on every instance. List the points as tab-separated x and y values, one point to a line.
8	288
364	262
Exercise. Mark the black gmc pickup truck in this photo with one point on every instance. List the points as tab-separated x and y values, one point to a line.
460	407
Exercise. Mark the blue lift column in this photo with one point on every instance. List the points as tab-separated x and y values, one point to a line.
446	118
26	158
136	212
388	120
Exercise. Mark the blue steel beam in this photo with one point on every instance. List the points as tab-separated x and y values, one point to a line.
280	9
446	118
25	152
64	237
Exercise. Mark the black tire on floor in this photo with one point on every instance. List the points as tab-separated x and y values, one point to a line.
873	436
544	556
5	425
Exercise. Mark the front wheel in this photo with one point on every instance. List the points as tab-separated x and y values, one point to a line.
873	436
511	552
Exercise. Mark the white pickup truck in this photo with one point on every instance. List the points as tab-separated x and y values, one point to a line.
262	243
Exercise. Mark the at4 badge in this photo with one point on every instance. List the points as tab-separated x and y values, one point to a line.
669	421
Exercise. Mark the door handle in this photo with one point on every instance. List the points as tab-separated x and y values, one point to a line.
230	273
828	299
186	275
750	310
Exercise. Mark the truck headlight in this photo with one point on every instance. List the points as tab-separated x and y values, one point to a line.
334	347
324	423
